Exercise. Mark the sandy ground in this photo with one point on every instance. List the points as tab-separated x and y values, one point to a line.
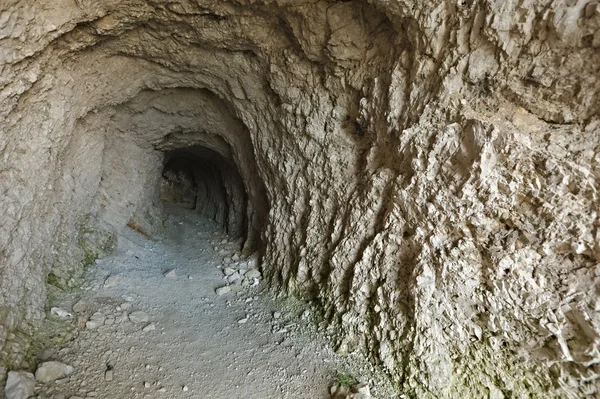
202	345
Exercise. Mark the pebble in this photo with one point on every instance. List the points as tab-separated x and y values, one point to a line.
149	327
252	273
19	385
171	274
113	281
50	371
223	290
108	375
138	317
185	388
243	321
276	315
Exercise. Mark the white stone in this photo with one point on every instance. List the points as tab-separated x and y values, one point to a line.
19	385
50	371
171	274
223	290
149	327
60	312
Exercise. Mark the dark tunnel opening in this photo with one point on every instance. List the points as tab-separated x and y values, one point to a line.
200	179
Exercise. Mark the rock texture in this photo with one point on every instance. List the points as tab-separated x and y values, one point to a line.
426	171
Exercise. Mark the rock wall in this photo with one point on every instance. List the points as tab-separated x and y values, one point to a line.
426	171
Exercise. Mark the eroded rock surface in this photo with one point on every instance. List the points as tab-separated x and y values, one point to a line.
427	171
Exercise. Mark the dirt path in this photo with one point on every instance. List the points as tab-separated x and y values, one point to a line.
195	344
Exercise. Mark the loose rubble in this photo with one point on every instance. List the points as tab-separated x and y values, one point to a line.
152	334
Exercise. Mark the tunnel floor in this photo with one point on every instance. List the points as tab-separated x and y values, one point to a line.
195	344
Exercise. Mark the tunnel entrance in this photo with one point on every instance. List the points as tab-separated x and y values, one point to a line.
202	180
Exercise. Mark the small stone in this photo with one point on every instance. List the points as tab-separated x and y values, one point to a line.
228	271
171	274
113	281
126	306
138	317
149	327
235	257
185	388
363	388
146	384
252	274
19	385
223	290
93	324
110	321
243	321
234	277
60	312
276	315
190	278
80	307
50	371
108	375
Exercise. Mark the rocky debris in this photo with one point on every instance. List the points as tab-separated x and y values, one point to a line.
149	327
60	312
138	317
356	391
171	274
242	273
113	281
52	370
19	385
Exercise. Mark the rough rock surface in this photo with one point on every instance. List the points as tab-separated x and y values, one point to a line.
426	171
19	385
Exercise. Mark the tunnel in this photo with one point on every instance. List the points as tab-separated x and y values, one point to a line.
200	179
422	175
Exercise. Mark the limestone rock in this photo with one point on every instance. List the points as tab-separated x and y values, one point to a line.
19	385
223	290
138	317
52	370
378	153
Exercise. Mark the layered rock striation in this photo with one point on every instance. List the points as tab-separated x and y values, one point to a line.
425	171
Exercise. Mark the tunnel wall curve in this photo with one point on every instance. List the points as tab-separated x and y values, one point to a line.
426	172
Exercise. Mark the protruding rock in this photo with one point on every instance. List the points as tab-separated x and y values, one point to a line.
19	385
